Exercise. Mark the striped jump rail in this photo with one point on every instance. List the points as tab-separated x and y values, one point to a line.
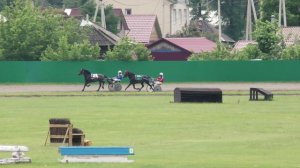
95	154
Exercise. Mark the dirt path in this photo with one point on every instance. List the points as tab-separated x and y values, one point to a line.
166	87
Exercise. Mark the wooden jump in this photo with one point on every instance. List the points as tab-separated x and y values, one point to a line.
254	93
198	95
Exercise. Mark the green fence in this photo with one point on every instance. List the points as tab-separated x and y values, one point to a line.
202	71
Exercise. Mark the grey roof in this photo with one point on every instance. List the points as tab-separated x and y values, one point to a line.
206	27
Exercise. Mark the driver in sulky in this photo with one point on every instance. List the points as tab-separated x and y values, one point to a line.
160	79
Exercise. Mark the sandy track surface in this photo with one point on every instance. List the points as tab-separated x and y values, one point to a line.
165	87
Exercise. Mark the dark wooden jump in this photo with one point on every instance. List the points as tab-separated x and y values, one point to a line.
254	92
198	95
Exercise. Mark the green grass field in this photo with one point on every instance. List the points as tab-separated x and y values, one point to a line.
237	133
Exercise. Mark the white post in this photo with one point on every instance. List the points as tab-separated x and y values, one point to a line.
254	11
279	19
96	11
220	21
284	14
103	23
248	21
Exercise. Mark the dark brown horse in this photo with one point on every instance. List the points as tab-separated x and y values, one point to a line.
89	78
133	79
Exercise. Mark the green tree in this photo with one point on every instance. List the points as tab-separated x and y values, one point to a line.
28	31
220	53
4	3
271	7
291	53
268	39
128	50
233	17
250	52
71	52
197	8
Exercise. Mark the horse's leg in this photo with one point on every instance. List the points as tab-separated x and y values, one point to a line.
135	87
99	86
148	83
142	83
103	82
128	86
84	86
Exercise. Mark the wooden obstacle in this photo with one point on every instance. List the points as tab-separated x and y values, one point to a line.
62	131
198	95
18	155
254	93
95	154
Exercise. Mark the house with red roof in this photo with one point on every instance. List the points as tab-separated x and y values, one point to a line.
179	49
143	28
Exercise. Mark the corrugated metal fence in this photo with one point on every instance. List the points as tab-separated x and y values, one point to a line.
195	71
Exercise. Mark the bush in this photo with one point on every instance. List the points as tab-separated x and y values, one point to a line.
128	50
291	53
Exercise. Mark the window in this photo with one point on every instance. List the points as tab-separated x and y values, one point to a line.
180	16
174	16
185	16
128	11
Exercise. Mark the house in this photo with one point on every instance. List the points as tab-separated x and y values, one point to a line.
291	35
172	15
122	25
179	49
241	44
205	27
143	28
73	12
103	37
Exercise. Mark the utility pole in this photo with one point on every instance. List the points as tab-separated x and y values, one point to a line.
220	21
103	22
250	9
282	10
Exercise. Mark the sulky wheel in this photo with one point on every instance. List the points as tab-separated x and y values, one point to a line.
157	88
111	87
117	87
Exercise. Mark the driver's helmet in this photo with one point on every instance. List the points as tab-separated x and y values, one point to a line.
119	72
161	74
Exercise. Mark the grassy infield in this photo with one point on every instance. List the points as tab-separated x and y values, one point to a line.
237	133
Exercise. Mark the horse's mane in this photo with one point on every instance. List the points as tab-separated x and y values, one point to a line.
87	71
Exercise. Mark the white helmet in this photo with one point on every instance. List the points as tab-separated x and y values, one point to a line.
119	71
161	74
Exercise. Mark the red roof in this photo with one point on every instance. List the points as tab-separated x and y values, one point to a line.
194	44
141	27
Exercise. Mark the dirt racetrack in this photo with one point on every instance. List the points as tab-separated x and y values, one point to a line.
10	88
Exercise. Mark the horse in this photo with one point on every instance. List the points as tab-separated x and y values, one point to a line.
89	78
133	80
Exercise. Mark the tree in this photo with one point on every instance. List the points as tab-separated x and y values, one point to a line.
197	9
233	17
28	31
271	7
267	37
4	3
71	52
220	53
128	50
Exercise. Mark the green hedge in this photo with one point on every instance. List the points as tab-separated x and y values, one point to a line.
190	71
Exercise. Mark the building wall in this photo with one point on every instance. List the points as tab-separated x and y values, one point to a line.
161	8
180	16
